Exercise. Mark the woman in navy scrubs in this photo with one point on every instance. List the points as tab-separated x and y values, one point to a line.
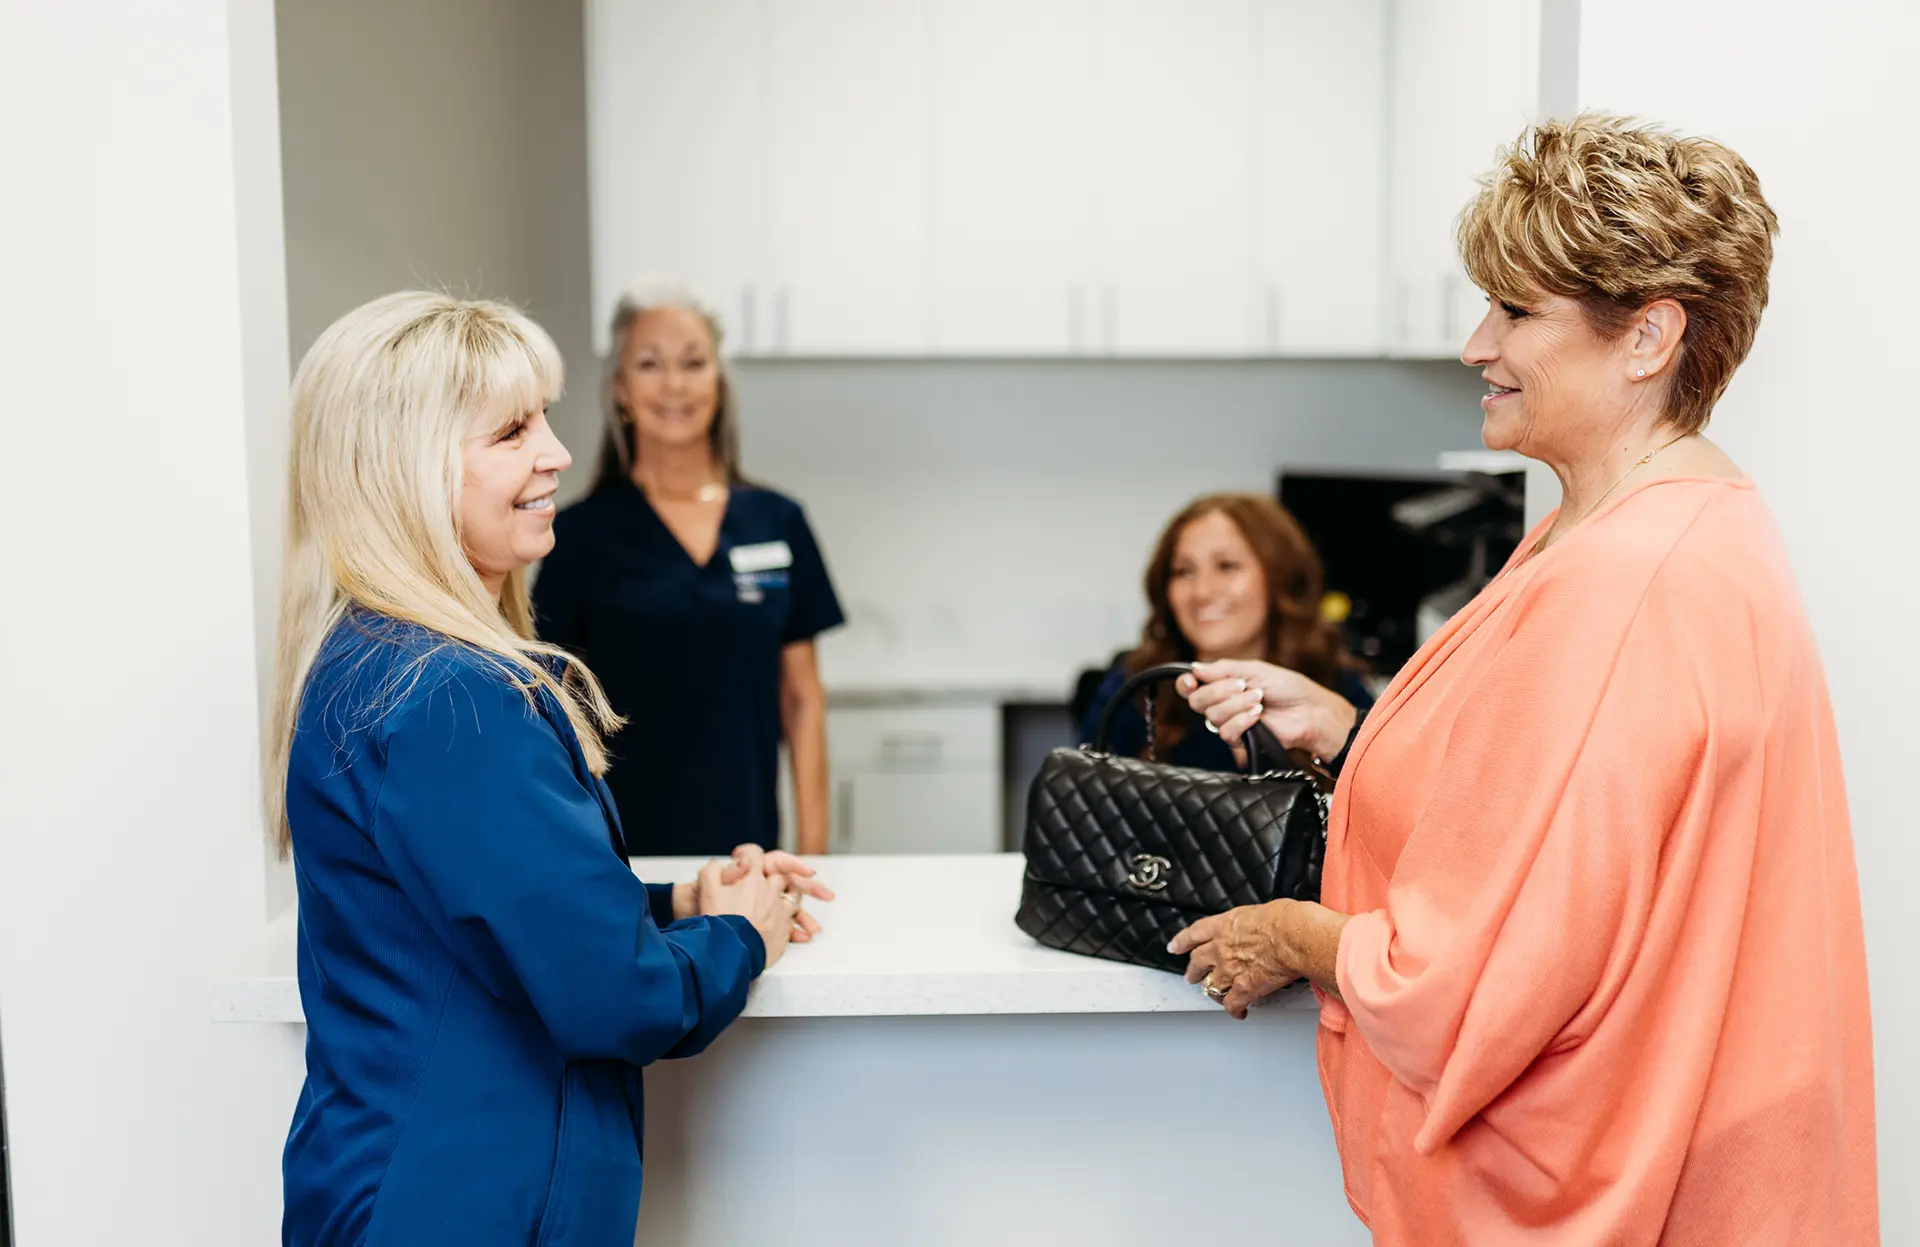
481	972
695	597
1232	576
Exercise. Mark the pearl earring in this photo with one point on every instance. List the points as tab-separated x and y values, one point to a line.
1641	373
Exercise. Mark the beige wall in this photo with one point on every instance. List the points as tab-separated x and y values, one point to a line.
440	143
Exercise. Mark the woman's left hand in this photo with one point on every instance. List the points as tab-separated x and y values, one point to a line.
795	877
1238	953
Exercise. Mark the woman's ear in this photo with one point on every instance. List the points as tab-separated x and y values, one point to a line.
1656	338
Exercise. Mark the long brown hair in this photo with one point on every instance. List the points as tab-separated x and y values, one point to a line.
1297	637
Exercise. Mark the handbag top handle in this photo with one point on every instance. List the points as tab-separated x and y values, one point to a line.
1158	675
1314	773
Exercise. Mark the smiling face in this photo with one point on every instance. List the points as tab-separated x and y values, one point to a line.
1554	387
669	377
508	478
1217	591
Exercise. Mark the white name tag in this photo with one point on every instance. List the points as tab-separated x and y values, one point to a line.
763	557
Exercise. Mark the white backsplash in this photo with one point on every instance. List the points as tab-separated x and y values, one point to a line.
987	523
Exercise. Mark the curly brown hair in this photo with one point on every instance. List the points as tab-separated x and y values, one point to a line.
1297	637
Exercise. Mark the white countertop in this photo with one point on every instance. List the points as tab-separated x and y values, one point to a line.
909	936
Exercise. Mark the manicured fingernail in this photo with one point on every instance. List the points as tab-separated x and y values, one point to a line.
1242	685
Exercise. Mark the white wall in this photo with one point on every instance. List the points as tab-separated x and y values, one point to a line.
1820	100
264	366
989	521
1559	97
131	855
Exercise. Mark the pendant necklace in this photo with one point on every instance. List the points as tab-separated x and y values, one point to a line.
710	492
1637	464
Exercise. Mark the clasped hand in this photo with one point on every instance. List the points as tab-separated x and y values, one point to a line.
767	889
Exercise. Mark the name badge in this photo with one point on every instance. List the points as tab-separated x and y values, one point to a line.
762	557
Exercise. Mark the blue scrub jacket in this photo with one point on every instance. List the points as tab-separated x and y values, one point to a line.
482	974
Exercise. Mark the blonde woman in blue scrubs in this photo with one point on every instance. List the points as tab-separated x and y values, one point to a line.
482	974
695	596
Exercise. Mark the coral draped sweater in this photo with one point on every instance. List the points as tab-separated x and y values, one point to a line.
1605	980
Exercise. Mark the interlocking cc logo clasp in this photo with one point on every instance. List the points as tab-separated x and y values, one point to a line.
1150	873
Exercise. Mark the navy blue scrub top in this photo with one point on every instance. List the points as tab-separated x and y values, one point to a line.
689	654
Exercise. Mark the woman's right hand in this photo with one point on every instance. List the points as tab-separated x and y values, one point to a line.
1233	696
760	898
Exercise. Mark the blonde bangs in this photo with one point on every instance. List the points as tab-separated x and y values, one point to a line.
511	367
1509	251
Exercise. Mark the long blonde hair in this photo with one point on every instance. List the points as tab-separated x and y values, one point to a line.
381	405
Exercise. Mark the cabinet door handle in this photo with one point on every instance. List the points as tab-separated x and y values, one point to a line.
913	748
841	819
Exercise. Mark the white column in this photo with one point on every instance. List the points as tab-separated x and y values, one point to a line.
130	846
1820	100
1559	98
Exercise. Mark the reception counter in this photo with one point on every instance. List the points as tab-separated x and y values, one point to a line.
924	1073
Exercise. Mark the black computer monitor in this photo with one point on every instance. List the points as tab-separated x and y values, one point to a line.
1385	565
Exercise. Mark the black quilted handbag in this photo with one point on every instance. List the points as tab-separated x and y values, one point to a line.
1122	853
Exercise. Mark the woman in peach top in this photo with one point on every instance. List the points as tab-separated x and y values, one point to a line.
1589	947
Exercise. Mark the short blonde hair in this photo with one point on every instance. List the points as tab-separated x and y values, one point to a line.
1616	214
381	405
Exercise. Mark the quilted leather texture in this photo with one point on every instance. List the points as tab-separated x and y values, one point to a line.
1123	853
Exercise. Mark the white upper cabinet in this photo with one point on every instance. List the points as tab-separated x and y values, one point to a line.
848	238
1130	178
1320	198
676	134
1466	81
1012	146
1173	177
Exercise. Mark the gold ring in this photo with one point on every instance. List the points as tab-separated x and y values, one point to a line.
1213	993
1213	727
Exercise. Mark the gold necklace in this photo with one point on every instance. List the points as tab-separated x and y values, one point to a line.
1637	464
710	492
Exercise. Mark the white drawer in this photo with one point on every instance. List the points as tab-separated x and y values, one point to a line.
907	812
914	738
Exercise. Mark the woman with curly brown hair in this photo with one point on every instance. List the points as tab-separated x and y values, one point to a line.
1232	576
1588	949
